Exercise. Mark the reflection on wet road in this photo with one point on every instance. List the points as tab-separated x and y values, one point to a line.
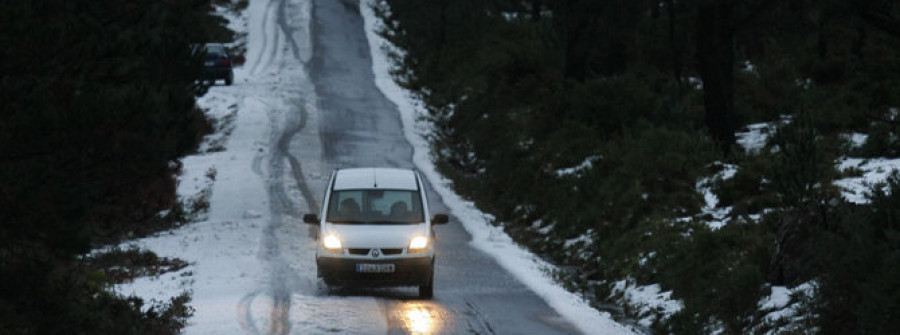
417	317
417	320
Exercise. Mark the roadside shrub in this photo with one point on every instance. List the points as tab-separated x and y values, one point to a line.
619	204
73	300
649	173
883	141
802	165
718	274
118	266
748	191
859	262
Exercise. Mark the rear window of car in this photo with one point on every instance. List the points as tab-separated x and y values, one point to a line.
375	206
215	50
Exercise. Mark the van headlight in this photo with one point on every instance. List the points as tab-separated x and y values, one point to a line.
331	242
418	243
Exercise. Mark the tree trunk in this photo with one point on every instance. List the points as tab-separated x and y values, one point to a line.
715	56
674	45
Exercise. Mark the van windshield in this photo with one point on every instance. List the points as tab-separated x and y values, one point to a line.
375	206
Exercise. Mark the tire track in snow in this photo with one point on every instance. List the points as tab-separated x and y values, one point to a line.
270	38
296	167
283	280
287	30
476	321
244	314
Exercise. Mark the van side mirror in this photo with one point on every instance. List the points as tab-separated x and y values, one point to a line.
311	218
440	219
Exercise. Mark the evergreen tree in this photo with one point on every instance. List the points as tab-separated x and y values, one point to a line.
596	119
97	106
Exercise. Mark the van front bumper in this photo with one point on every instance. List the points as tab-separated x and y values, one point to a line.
406	271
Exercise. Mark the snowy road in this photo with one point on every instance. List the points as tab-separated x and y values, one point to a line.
359	126
306	102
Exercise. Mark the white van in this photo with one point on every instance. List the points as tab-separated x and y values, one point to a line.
376	230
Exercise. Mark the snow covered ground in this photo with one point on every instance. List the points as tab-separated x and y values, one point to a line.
229	279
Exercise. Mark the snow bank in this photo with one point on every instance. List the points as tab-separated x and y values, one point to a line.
528	268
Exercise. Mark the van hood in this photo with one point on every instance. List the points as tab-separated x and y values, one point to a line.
376	235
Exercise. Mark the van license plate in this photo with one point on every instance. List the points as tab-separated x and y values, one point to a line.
374	268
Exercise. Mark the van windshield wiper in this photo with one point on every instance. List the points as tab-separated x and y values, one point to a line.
348	221
398	221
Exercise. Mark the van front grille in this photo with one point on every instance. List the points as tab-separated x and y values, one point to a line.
392	251
365	251
358	251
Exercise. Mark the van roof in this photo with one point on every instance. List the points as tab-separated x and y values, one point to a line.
375	178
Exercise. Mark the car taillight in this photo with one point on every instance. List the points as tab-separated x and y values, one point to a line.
224	61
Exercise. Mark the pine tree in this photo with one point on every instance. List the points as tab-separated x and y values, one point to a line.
97	105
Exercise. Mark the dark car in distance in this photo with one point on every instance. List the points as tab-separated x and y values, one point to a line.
217	63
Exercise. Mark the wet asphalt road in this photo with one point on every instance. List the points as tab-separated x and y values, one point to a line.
359	126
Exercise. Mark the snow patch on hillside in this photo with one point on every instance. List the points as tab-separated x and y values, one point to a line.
650	301
718	215
872	171
786	311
